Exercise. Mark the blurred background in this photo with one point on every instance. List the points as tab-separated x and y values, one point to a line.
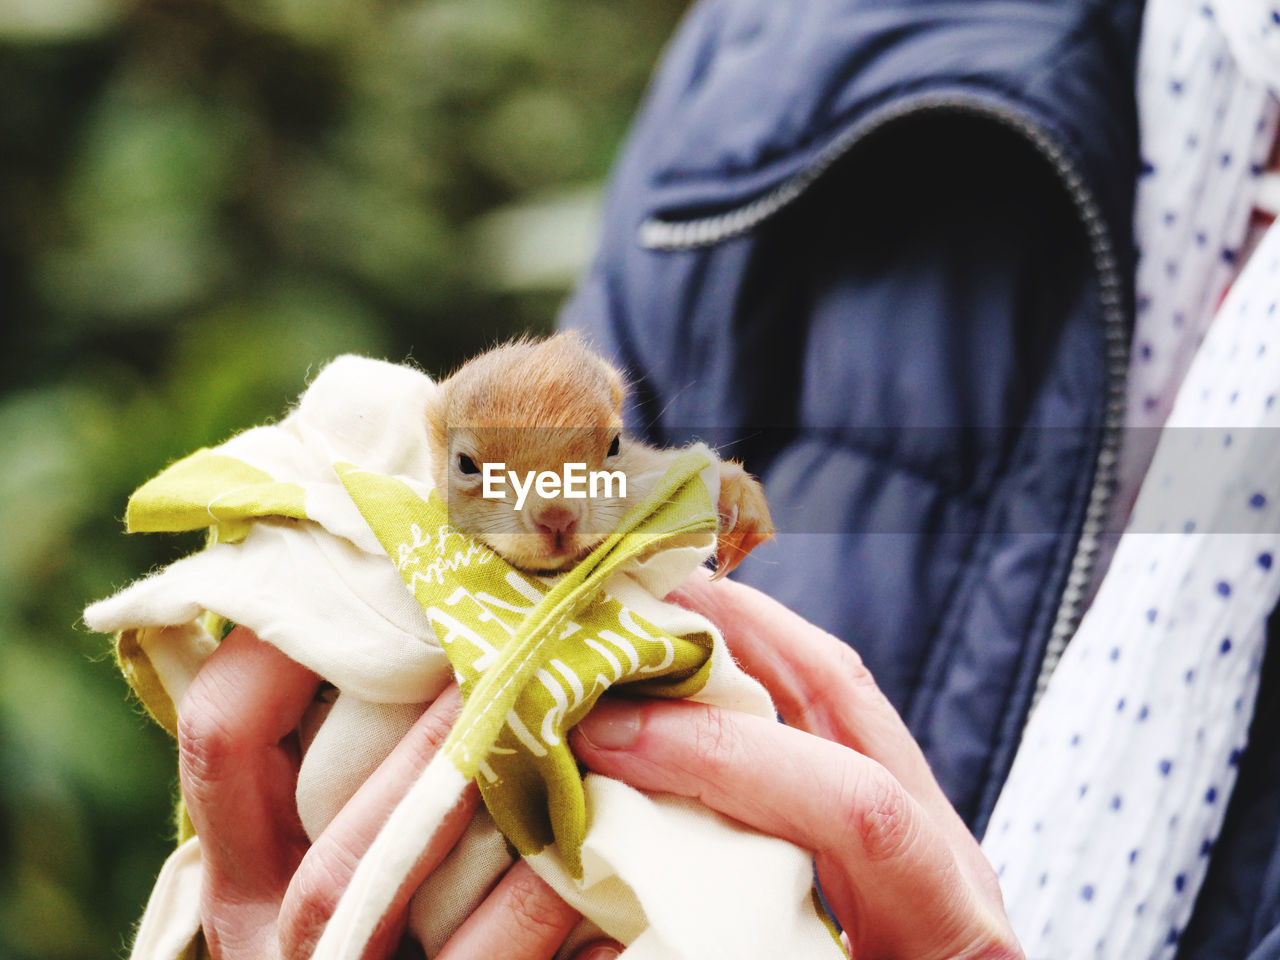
200	202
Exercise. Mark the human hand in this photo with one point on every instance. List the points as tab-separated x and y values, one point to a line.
844	779
267	891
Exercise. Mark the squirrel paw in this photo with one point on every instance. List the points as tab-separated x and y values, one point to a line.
744	517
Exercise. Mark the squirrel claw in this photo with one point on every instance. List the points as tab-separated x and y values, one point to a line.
744	518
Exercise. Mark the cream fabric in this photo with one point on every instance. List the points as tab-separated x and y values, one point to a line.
672	879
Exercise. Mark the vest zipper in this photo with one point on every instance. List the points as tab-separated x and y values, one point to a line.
677	235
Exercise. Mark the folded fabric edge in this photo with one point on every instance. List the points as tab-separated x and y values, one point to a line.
406	833
170	925
159	663
143	679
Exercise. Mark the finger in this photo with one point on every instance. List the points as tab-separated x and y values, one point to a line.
238	766
326	870
875	846
522	919
787	653
819	683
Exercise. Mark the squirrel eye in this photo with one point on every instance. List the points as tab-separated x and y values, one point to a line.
467	466
615	446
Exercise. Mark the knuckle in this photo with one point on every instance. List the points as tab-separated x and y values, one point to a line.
313	895
536	911
856	686
881	820
325	873
209	739
851	666
714	736
428	733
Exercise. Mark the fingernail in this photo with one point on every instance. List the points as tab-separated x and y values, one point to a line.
611	725
604	951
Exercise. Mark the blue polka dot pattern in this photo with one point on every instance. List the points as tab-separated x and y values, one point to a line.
1206	128
1141	727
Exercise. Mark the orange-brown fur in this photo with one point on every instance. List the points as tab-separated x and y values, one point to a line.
536	405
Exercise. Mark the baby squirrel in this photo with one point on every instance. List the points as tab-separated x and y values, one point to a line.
532	407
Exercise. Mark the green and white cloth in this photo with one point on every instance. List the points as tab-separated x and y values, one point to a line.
317	526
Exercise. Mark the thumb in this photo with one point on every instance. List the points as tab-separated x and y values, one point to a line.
890	874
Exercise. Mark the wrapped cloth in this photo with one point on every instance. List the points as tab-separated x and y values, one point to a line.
317	526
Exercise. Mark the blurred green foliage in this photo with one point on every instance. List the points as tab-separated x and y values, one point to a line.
201	202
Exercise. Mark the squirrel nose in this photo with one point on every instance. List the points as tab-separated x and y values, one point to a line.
556	521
